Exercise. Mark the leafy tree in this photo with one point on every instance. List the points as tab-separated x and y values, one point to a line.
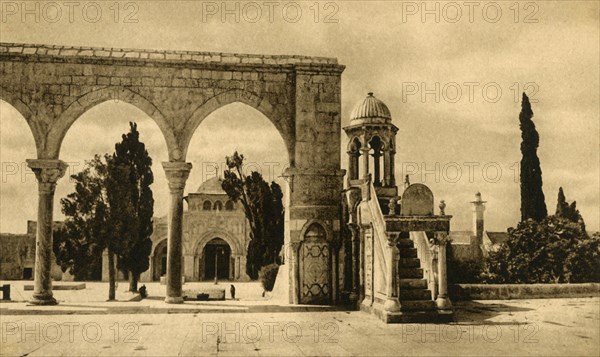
532	197
86	232
112	209
263	209
132	203
554	250
568	211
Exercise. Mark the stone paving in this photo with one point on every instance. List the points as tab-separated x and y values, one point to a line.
255	327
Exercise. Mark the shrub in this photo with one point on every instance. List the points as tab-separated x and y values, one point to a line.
554	250
267	275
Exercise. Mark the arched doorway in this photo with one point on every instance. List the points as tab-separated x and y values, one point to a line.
159	260
216	260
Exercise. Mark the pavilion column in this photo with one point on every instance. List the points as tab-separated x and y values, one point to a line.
392	303
392	178
365	162
387	178
47	173
353	164
443	302
377	167
177	174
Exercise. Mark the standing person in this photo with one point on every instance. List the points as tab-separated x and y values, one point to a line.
232	291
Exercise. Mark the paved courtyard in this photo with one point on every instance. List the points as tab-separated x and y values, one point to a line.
85	325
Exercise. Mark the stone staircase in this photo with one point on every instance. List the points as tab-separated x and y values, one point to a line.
415	298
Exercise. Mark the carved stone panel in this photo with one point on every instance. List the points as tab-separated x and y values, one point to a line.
315	273
316	288
417	200
369	262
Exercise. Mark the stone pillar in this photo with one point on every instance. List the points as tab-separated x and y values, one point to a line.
353	165
387	178
478	207
377	166
295	272
177	174
355	263
189	268
361	265
47	173
443	302
392	302
365	162
392	182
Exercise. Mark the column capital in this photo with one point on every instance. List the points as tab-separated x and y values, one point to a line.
177	174
441	238
47	172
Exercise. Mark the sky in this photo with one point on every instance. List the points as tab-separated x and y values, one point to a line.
452	84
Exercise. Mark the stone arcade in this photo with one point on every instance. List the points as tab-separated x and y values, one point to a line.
383	254
52	86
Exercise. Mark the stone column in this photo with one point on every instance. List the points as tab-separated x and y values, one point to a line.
377	166
478	207
352	165
177	174
443	302
392	303
47	173
189	267
355	263
392	182
387	179
295	272
365	162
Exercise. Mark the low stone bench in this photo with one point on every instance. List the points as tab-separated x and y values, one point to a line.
59	286
522	291
204	294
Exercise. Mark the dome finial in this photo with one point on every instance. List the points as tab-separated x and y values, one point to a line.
370	94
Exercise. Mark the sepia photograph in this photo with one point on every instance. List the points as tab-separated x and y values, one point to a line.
300	178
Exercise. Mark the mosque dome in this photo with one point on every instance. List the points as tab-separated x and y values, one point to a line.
211	186
371	110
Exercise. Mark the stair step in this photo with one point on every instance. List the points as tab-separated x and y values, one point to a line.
408	252
405	242
415	294
410	263
411	273
417	305
413	284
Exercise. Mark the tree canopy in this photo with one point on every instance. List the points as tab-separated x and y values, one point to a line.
111	208
263	208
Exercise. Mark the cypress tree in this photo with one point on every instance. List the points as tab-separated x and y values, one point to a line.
132	203
561	205
532	197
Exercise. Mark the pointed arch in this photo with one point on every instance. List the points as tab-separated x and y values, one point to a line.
27	114
84	103
263	105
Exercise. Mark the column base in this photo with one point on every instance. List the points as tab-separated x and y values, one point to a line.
174	300
353	297
391	305
42	300
443	304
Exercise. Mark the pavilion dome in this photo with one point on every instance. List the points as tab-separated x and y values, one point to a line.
211	186
371	110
